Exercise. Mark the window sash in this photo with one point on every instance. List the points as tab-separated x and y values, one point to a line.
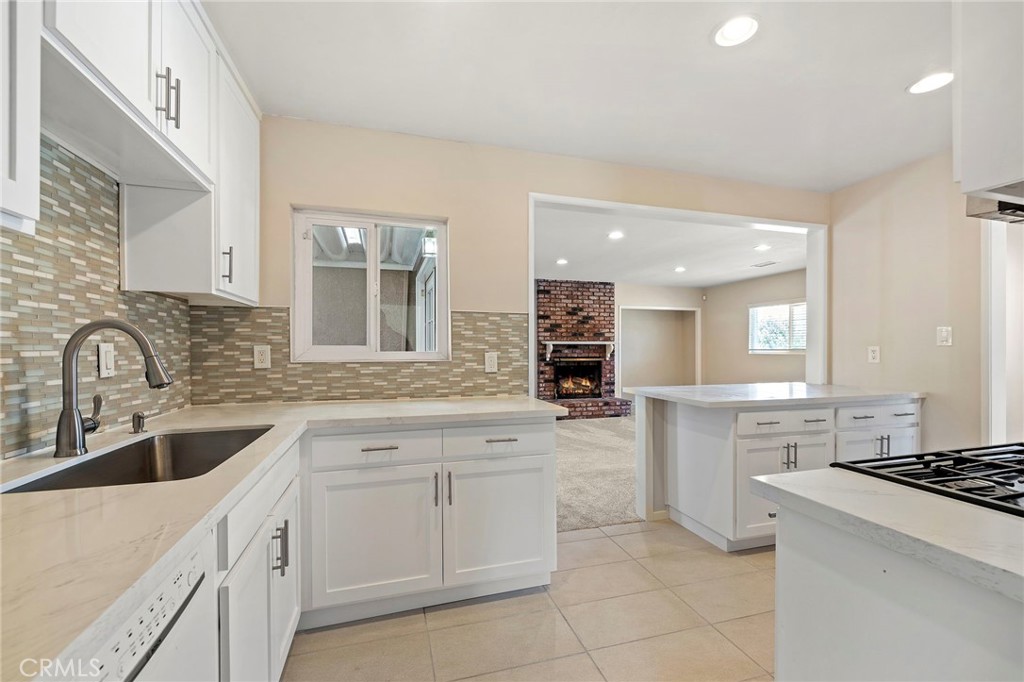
795	319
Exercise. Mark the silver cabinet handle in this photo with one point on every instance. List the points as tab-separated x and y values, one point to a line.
230	253
166	76
382	448
866	416
796	455
449	488
767	423
283	559
787	456
436	491
888	445
502	440
880	452
814	421
904	414
177	103
772	515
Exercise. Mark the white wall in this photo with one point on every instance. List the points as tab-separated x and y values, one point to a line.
1015	333
724	333
657	348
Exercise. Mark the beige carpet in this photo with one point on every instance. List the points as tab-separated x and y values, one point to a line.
596	472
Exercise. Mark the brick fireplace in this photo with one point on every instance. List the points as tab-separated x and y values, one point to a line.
577	369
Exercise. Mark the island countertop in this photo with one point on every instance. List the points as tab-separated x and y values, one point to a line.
983	546
771	395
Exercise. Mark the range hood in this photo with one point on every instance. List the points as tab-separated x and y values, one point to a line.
995	209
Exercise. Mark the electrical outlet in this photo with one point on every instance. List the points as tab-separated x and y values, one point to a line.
943	336
105	359
261	357
491	362
874	354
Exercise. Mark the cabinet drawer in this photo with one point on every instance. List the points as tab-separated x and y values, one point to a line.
789	421
878	415
504	440
375	449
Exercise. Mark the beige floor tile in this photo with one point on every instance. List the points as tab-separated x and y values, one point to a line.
755	635
384	627
631	617
589	553
763	557
689	566
578	668
600	582
624	528
577	535
397	658
495	645
660	541
489	608
731	597
695	654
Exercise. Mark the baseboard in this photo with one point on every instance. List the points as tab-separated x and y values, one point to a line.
658	515
346	613
715	538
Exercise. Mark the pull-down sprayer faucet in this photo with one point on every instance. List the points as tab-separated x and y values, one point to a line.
71	427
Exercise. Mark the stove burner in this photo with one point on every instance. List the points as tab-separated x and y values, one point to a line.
991	477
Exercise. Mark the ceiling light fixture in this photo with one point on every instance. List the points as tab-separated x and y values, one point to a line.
680	269
735	31
931	82
561	261
615	235
762	247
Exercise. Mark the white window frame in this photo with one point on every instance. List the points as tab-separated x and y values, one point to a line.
789	351
302	347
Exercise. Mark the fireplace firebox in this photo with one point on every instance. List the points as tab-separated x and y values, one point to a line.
578	379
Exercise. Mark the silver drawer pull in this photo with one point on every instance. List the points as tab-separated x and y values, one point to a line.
866	416
772	515
814	421
383	448
904	414
767	423
502	440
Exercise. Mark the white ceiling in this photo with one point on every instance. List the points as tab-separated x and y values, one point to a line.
816	100
653	247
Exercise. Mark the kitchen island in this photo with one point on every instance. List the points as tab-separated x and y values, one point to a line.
698	446
877	580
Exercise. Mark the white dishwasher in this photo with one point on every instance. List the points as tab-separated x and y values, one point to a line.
172	637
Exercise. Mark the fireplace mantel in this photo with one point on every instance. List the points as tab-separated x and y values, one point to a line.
608	345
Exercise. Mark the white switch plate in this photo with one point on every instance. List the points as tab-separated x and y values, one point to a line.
261	357
874	354
943	336
491	362
105	359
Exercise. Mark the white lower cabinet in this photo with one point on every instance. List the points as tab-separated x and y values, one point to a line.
854	445
259	598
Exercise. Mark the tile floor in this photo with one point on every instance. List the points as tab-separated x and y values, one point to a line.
641	601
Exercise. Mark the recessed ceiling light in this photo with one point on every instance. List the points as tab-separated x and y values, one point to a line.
615	235
561	261
735	31
762	247
931	82
680	269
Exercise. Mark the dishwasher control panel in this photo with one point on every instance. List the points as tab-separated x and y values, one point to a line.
132	645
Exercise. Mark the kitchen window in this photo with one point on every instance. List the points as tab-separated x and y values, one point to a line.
369	288
778	328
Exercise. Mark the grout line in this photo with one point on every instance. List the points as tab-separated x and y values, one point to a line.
524	665
430	645
744	651
339	626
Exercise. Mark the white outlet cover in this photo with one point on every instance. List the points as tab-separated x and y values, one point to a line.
874	354
491	362
261	357
943	336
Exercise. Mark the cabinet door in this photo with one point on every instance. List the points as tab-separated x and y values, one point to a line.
120	40
854	445
20	24
245	612
284	578
237	190
499	518
901	442
812	452
756	458
187	50
374	533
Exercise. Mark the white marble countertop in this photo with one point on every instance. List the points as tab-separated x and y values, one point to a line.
71	556
983	546
773	395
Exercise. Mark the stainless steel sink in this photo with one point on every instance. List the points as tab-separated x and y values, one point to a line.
167	457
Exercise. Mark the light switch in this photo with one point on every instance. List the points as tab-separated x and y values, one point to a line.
874	354
491	362
943	336
105	359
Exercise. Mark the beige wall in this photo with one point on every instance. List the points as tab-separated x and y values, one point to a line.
727	359
481	190
657	348
643	295
904	261
1015	333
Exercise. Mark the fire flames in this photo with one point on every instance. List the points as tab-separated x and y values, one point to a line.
576	386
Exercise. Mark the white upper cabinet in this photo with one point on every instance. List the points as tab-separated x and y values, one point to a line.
119	40
20	24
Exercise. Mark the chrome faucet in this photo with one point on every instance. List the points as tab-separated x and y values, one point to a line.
71	427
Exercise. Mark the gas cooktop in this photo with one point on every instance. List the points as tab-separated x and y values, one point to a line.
990	477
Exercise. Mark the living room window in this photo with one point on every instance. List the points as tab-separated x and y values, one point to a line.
369	288
778	328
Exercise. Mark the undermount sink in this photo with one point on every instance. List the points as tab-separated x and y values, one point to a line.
165	457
